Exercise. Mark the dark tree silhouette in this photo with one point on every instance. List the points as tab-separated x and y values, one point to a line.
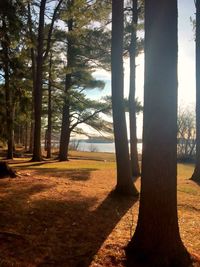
49	127
38	85
196	174
156	241
6	171
124	182
11	20
65	129
8	91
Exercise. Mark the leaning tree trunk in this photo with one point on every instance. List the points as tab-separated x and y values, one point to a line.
135	169
38	87
156	241
196	174
124	182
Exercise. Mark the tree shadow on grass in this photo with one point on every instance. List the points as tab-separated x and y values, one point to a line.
196	182
74	174
82	174
65	233
30	163
24	193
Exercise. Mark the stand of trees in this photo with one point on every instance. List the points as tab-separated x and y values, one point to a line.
134	47
32	54
11	16
124	182
81	45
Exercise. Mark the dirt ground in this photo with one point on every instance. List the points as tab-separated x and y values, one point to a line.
64	216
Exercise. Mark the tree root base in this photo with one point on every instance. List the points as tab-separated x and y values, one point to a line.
138	258
6	171
126	192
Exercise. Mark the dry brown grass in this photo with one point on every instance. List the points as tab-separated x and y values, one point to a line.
62	214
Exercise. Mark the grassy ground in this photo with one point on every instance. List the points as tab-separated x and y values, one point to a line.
60	214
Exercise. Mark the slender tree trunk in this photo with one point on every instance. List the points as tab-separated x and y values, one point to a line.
31	134
124	182
33	68
65	130
196	174
32	105
8	93
26	136
9	114
49	130
156	241
10	119
135	169
38	87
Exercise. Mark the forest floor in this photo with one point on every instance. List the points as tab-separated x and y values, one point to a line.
61	214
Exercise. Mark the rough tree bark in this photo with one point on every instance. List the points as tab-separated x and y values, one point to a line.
124	183
196	174
156	241
65	129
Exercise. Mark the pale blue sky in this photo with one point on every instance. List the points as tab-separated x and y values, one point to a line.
186	64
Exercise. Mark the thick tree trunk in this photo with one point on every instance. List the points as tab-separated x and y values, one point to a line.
135	169
49	130
124	182
65	130
38	87
196	174
157	241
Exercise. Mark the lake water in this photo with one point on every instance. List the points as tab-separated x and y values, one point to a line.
101	147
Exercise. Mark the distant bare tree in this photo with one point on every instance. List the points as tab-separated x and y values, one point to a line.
186	135
196	174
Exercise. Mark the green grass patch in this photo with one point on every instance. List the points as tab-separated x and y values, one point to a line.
185	170
66	165
189	190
